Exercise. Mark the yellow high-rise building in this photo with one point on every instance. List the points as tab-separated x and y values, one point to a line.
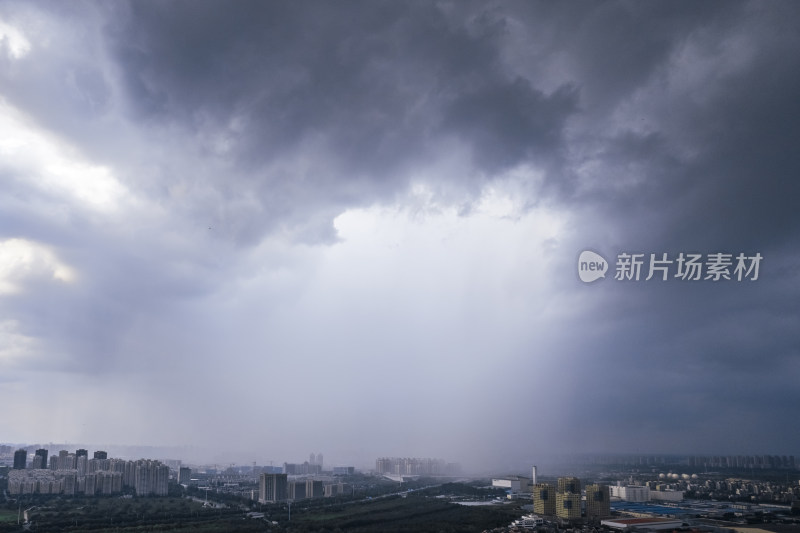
568	505
544	499
598	504
571	485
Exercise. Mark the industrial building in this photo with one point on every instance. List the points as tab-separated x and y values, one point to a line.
513	483
624	524
631	493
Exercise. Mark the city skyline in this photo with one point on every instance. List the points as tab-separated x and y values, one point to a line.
557	465
257	229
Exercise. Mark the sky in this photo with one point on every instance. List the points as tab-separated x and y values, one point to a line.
264	229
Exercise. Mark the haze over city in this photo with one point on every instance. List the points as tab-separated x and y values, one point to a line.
260	229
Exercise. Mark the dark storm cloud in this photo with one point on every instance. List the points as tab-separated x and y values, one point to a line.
677	367
718	169
699	159
617	46
375	88
512	122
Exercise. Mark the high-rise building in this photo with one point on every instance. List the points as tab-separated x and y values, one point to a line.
111	482
598	504
410	466
319	460
571	485
568	498
82	453
68	481
297	490
95	465
20	459
90	484
272	488
100	454
184	475
161	481
66	460
295	469
544	499
533	475
151	477
314	489
41	452
568	505
80	464
312	459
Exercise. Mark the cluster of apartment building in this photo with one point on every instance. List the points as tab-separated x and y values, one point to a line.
564	500
748	490
762	462
63	482
412	466
674	487
74	473
274	488
302	469
308	468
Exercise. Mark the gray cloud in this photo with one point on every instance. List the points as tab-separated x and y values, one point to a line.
379	206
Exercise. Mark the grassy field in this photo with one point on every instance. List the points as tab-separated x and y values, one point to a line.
420	512
415	513
119	514
7	516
